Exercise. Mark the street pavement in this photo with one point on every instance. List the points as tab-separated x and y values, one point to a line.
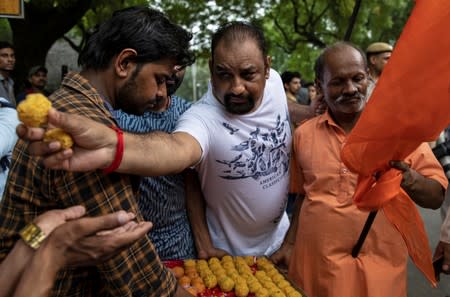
417	284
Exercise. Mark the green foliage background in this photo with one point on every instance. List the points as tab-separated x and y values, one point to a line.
296	30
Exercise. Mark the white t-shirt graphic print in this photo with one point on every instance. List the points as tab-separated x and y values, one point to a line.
244	170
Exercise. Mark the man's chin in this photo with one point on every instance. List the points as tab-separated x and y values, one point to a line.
135	112
239	110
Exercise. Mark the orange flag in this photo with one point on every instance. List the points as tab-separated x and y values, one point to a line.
410	105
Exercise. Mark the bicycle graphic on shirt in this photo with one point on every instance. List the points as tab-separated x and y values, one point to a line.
262	154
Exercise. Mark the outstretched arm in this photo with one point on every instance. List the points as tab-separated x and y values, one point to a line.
151	154
298	112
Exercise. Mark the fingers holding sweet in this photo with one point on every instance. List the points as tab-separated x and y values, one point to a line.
29	134
57	160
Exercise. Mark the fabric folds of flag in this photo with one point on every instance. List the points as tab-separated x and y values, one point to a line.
410	105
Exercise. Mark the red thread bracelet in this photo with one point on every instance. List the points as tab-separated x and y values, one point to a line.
119	152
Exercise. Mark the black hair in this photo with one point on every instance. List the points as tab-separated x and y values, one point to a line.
320	62
5	44
308	84
143	29
287	76
239	31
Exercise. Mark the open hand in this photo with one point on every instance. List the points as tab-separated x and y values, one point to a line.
50	220
443	250
89	241
283	255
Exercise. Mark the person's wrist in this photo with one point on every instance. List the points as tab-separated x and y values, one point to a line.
116	150
203	249
412	181
50	255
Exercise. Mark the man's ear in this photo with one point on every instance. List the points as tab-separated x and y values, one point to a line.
124	63
373	60
267	65
318	85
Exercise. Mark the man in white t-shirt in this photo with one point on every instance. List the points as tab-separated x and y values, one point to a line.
243	170
237	136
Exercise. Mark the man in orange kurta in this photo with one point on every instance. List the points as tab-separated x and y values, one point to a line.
329	224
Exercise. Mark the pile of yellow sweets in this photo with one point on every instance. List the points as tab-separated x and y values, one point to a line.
234	273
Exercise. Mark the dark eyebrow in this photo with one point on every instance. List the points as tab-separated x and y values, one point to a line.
249	68
221	68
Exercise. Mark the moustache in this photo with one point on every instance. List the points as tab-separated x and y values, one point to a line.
228	97
344	98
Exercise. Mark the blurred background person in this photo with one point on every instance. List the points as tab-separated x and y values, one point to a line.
378	55
36	82
7	63
292	84
312	91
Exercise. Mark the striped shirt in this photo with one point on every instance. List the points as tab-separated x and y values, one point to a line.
33	189
162	199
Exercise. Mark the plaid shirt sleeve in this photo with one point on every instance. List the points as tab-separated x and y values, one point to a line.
33	189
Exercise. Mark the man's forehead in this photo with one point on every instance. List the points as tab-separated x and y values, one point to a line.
241	66
6	50
344	65
244	61
343	55
237	46
164	67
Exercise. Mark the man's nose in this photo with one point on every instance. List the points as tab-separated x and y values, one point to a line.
237	86
350	87
162	91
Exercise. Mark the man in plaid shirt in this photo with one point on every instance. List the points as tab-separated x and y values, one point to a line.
125	63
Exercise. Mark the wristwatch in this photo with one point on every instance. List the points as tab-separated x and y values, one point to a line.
32	235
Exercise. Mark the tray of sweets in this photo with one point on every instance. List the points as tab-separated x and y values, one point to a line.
233	277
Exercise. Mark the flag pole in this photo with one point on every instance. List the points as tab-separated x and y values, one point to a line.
364	232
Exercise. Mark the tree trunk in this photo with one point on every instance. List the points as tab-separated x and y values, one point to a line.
35	34
352	21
